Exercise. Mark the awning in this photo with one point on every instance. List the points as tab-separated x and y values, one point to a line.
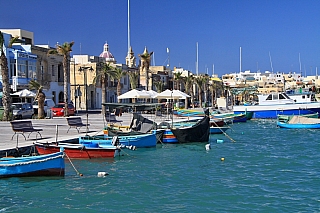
215	79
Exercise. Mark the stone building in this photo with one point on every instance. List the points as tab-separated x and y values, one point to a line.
27	61
83	70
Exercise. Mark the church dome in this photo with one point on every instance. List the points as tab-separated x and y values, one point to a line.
107	54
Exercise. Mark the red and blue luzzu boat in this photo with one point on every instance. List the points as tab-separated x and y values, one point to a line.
79	150
138	141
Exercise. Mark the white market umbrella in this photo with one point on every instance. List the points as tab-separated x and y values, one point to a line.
25	94
172	94
151	92
134	94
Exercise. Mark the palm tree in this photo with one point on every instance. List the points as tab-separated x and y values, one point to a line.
40	97
159	86
145	58
102	75
6	99
188	81
118	74
177	79
200	82
64	50
214	88
133	77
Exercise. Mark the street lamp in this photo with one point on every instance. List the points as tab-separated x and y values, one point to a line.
75	95
84	70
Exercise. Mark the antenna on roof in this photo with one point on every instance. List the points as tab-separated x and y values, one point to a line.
270	62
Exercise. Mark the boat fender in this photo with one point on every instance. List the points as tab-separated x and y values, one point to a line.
219	141
102	174
121	146
131	147
208	146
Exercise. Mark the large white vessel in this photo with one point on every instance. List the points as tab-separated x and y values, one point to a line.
271	105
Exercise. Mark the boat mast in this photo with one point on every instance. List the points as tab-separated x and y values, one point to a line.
240	61
168	52
300	66
212	70
197	62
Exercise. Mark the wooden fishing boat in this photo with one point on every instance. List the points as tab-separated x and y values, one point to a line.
138	141
139	125
287	118
78	150
300	122
198	132
235	118
41	165
188	113
214	122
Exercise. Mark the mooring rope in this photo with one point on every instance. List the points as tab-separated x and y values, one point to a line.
74	166
224	132
30	162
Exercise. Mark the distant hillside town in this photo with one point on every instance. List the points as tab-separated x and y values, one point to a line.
92	80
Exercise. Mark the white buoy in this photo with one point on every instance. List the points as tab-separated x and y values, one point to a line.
102	174
208	146
219	141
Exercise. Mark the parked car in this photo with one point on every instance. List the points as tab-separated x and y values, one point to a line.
48	104
58	110
22	110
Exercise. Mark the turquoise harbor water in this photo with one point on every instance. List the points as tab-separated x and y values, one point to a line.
267	169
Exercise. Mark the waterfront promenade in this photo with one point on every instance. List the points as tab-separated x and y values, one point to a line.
55	129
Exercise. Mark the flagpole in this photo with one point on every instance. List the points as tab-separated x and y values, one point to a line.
129	32
168	51
197	64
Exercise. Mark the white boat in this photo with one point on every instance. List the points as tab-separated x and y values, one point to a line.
274	104
301	96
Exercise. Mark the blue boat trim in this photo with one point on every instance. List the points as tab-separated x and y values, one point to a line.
42	165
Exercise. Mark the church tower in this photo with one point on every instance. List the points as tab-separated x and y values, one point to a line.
131	59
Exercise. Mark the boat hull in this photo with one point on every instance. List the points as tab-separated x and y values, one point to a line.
240	119
44	165
218	130
77	151
168	137
286	118
298	126
139	141
197	133
272	111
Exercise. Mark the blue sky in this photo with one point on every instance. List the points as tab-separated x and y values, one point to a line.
264	29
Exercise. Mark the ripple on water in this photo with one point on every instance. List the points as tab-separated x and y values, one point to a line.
267	169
